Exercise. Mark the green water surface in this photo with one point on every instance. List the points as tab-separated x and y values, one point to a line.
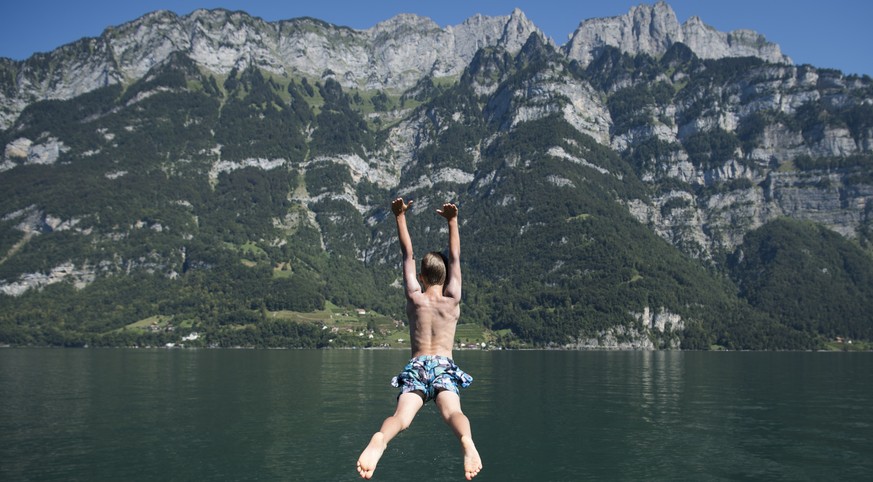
119	414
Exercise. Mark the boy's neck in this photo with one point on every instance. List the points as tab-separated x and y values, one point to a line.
434	289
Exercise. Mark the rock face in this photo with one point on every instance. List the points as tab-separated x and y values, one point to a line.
709	43
394	54
397	53
652	29
765	183
662	327
23	151
63	272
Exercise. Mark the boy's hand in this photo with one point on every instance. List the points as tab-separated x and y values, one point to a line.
449	211
398	208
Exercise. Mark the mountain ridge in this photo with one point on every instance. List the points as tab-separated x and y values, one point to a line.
604	205
443	52
653	29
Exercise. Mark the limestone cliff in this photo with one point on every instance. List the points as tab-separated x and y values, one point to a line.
393	54
652	29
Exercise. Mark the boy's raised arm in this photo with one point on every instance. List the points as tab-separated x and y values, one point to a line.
410	282
453	276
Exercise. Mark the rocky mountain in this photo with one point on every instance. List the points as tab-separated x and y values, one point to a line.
653	29
647	185
394	54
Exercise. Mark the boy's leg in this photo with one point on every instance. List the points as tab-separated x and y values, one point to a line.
408	404
449	404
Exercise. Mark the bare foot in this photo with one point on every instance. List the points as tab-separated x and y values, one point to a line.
472	462
371	455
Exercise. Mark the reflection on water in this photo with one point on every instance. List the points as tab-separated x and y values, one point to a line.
537	415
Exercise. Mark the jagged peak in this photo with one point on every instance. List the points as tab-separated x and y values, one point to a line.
158	16
707	42
284	25
127	52
517	30
659	10
158	20
652	29
695	20
517	17
219	14
402	20
662	6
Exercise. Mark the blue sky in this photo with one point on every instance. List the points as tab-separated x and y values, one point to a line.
835	34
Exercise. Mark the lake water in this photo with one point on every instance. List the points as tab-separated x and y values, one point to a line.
118	414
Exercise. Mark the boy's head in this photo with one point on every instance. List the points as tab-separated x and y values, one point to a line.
433	268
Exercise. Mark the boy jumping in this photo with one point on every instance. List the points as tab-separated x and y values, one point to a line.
433	308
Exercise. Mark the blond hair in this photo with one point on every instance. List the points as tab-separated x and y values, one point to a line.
433	268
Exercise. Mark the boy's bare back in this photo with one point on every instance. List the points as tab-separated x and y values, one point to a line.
432	322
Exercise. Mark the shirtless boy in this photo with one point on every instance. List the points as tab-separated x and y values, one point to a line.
433	308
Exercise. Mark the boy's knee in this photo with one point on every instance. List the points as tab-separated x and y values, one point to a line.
455	412
449	412
448	416
402	422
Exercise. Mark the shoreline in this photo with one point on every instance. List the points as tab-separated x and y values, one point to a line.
553	349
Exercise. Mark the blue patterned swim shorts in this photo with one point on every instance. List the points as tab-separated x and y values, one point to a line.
431	374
